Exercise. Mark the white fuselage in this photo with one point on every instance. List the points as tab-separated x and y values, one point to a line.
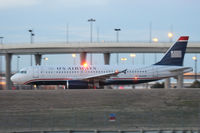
59	74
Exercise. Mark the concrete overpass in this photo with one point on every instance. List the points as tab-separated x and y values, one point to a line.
106	47
38	49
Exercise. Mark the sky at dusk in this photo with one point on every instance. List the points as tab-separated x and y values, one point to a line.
49	19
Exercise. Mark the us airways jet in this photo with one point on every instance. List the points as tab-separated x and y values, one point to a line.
95	76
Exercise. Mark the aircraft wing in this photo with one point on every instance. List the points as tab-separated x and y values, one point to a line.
184	69
105	75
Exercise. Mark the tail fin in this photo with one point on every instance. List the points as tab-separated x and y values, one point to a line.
175	54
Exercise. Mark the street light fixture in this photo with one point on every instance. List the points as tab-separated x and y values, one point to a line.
133	56
91	22
155	39
31	41
45	59
195	68
74	58
123	60
74	55
170	35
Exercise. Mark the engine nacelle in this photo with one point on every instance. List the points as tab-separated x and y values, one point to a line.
76	84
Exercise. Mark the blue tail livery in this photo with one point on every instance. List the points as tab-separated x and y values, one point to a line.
175	55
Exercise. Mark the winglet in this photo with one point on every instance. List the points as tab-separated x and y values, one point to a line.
124	71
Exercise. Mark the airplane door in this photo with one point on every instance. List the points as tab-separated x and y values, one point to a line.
36	72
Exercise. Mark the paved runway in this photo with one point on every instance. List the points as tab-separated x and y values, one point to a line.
91	109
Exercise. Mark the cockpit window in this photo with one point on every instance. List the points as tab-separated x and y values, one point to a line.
23	72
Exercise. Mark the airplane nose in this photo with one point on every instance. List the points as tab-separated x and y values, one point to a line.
13	78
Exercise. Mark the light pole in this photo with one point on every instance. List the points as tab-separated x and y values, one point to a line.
97	34
67	33
117	34
195	67
133	56
31	41
91	22
1	64
74	58
155	40
117	40
1	39
150	32
18	57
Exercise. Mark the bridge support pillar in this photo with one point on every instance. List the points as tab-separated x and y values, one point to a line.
106	58
38	58
83	57
167	83
8	71
180	81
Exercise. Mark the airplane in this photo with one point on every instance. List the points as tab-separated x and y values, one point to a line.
96	76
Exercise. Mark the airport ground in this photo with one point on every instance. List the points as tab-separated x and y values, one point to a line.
49	110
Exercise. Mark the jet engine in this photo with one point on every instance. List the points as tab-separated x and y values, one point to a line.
76	84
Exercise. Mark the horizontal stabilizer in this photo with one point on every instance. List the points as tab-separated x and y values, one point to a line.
184	69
